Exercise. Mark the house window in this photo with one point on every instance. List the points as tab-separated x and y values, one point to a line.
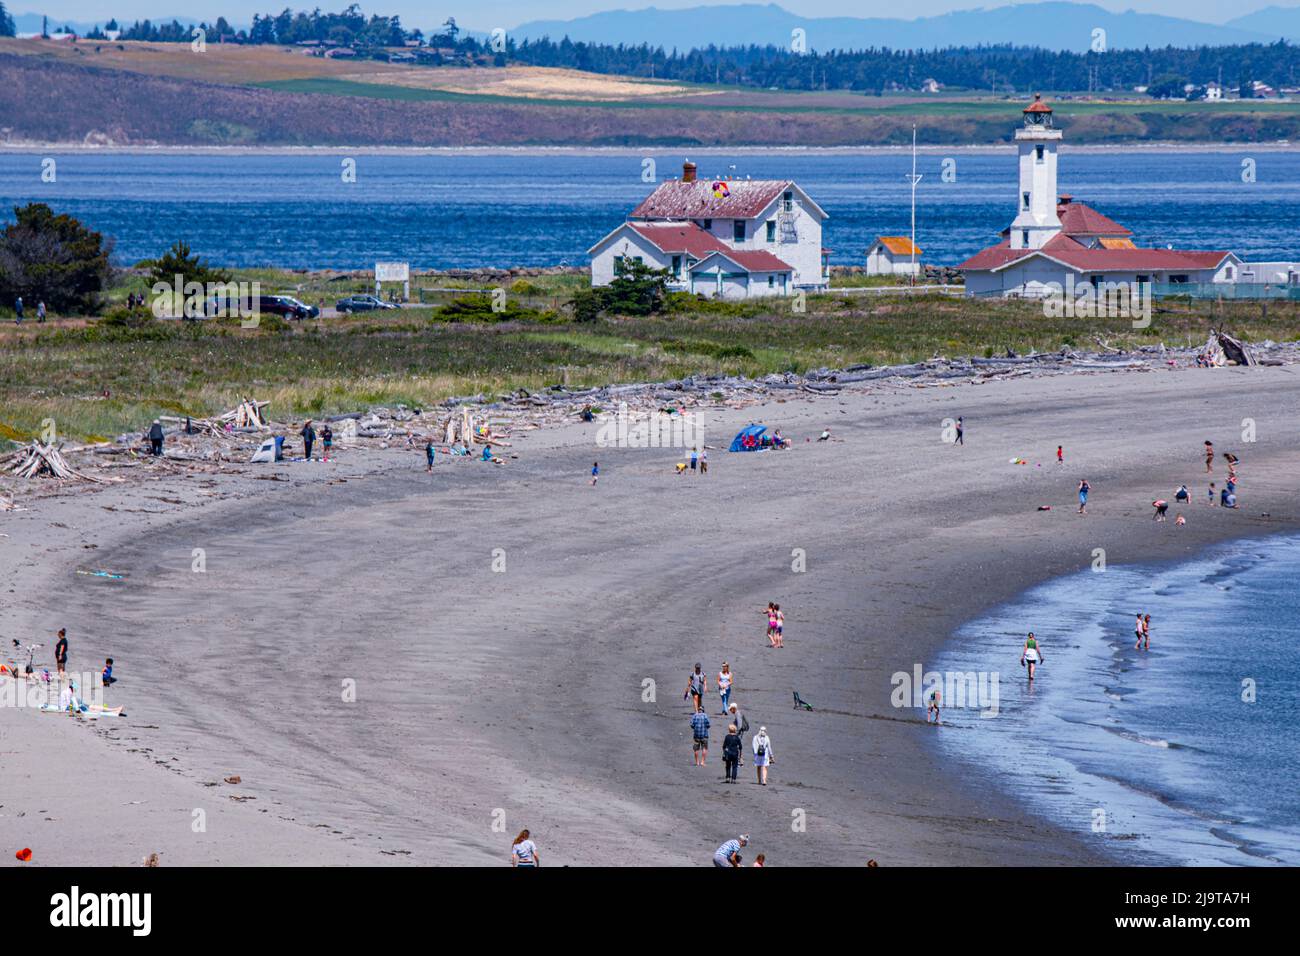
618	265
1181	278
1024	238
738	230
1228	273
771	230
1024	198
1038	152
708	224
677	265
787	202
771	281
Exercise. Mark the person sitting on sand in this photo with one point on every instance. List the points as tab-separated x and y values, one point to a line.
825	435
729	853
108	677
68	700
1229	500
1180	520
487	453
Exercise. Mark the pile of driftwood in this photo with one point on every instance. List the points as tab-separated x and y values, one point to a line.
39	460
247	415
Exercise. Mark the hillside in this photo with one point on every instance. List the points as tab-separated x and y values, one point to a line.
288	100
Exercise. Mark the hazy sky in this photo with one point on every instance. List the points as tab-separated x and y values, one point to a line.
486	14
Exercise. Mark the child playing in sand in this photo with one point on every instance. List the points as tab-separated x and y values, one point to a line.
109	679
779	632
1209	457
595	472
1084	488
1212	494
704	462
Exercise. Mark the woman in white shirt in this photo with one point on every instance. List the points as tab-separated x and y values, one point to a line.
762	754
524	851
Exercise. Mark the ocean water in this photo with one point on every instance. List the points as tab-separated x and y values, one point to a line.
1192	749
471	209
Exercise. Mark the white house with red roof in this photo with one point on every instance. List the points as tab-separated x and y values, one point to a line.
1056	242
729	238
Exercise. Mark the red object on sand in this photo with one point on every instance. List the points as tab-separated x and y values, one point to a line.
24	854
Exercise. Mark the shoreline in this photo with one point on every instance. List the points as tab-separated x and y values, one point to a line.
471	151
887	586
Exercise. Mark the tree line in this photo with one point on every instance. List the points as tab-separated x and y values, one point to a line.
997	69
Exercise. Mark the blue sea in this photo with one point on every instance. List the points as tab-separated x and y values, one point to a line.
474	209
1188	753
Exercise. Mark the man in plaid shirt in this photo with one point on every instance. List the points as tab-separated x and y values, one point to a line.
700	728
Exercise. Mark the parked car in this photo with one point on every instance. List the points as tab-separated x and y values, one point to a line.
362	303
286	306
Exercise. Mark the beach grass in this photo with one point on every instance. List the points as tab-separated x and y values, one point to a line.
97	381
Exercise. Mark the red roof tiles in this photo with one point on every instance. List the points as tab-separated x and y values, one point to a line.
740	199
688	238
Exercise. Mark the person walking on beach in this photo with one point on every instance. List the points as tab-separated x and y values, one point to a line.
731	745
1137	631
961	431
523	852
1084	488
725	678
61	651
1146	632
762	754
771	624
704	461
156	437
327	440
695	460
595	473
741	722
1030	654
308	439
1060	455
729	853
696	687
933	708
428	455
778	631
1209	457
700	736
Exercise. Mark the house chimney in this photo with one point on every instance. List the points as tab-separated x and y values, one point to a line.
688	172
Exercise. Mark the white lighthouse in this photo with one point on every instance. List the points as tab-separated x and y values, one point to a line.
1037	221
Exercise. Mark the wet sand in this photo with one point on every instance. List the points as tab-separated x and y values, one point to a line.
487	701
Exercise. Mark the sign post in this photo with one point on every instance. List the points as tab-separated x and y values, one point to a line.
394	272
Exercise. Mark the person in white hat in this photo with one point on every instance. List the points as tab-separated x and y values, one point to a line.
762	754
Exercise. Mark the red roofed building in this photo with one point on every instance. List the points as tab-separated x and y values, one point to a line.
1056	242
733	238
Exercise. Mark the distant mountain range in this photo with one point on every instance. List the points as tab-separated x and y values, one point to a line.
1051	25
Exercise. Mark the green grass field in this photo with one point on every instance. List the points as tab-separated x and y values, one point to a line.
97	381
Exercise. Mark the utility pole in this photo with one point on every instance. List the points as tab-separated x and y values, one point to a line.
914	179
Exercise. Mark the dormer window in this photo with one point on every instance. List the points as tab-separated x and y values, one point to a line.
1038	153
1024	238
1024	198
738	230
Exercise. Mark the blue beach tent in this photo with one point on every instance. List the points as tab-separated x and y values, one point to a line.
749	438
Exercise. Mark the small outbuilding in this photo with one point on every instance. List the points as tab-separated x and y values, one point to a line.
893	255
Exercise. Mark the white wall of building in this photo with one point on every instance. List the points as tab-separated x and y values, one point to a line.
627	242
882	262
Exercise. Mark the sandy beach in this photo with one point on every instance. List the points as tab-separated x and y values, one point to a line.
386	696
